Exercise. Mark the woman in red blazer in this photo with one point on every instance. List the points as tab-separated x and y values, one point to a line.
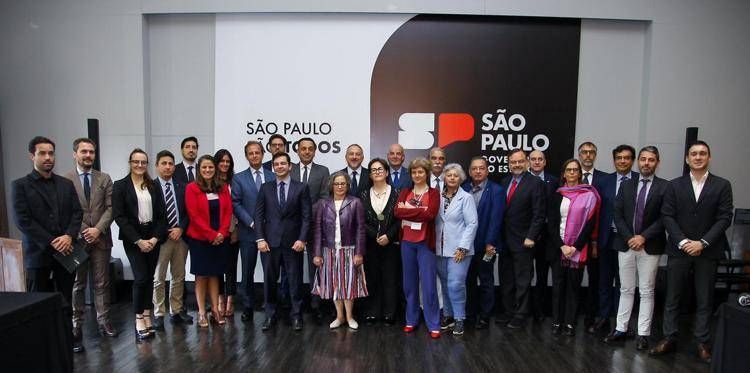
209	206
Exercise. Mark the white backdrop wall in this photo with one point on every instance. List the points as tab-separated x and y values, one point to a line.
149	79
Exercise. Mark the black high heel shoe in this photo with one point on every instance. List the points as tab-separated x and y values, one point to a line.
141	335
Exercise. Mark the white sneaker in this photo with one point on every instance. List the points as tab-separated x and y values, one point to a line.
353	324
336	323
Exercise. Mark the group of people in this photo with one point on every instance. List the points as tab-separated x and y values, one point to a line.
382	233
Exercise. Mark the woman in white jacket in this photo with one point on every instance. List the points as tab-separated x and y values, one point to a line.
455	226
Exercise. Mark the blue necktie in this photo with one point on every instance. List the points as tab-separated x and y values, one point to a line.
396	178
86	186
282	195
258	180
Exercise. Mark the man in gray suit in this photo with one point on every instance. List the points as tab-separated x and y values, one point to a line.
94	190
315	176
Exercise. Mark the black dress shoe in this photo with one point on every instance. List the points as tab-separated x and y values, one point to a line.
539	318
297	325
370	320
389	320
555	328
482	323
78	341
569	330
158	323
516	323
317	316
503	319
181	318
598	326
106	330
641	343
268	324
246	316
615	337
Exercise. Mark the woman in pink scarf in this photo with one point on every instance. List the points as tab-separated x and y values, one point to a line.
572	223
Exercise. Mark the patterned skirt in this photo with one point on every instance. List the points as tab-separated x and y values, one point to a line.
338	278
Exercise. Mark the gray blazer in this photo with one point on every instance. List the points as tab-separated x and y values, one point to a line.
98	211
317	180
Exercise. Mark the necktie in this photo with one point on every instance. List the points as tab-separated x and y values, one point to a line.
86	186
353	189
475	189
190	175
640	205
622	178
437	184
396	178
304	176
511	191
282	195
171	211
258	180
587	178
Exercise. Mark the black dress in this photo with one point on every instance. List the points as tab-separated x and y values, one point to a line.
207	259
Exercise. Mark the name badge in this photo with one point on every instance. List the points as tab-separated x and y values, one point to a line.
415	226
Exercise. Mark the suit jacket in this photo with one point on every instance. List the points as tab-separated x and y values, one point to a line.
281	226
706	219
352	222
456	226
525	212
97	212
553	230
490	213
178	189
390	226
606	186
424	216
598	175
125	211
363	182
404	179
652	228
38	220
317	180
200	214
244	197
180	173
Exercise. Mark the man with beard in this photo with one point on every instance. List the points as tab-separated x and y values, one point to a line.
360	176
185	171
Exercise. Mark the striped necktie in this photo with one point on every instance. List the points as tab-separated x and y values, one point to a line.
171	211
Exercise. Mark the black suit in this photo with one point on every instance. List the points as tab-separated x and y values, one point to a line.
524	218
591	304
707	220
624	214
541	264
125	214
180	173
179	195
363	182
280	226
42	216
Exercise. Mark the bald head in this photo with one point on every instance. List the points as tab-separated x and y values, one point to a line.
537	162
395	156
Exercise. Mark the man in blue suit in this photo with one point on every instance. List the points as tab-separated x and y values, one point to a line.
489	198
282	220
608	186
399	175
245	187
537	164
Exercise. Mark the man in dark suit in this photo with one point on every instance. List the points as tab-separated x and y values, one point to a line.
359	175
48	214
94	190
245	189
697	211
608	186
438	160
523	225
315	176
276	144
639	241
399	175
282	221
184	172
489	198
537	164
587	152
174	251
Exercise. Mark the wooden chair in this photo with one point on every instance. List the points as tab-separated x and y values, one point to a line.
12	274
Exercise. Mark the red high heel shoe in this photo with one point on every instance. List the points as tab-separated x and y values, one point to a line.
435	334
408	329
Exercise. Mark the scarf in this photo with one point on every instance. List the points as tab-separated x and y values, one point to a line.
584	202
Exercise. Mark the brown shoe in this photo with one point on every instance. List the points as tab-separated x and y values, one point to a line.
664	346
704	352
106	329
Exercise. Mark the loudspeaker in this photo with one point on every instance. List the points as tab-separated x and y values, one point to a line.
93	127
691	134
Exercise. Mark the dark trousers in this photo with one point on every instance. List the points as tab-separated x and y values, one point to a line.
228	283
591	304
144	267
609	272
38	280
678	271
383	279
541	268
249	256
480	298
272	262
566	285
516	271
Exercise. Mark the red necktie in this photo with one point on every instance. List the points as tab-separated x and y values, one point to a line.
512	190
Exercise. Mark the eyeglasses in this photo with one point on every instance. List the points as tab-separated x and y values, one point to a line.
590	152
139	163
377	170
572	170
339	184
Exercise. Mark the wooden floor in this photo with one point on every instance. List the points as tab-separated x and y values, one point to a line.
243	347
